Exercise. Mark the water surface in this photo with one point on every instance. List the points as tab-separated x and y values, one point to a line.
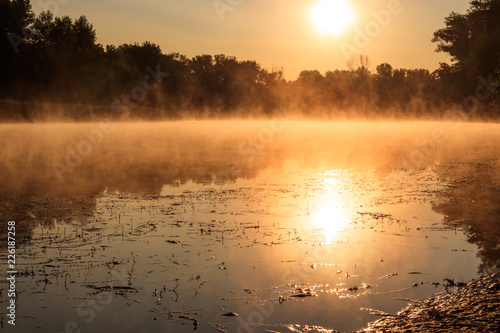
294	226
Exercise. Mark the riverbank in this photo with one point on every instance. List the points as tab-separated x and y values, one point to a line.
474	307
24	111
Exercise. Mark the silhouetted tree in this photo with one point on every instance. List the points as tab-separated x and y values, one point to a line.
384	85
15	19
63	59
58	59
473	42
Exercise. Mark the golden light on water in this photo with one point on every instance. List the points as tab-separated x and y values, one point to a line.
330	215
332	17
331	219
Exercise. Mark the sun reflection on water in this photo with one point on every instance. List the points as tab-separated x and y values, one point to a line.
331	212
331	219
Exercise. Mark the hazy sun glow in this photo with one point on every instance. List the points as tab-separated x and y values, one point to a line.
332	16
331	219
330	212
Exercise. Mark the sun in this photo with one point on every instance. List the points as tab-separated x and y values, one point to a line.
332	17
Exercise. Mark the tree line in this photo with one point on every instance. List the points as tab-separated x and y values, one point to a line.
57	60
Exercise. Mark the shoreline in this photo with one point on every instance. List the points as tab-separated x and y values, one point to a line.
34	112
473	307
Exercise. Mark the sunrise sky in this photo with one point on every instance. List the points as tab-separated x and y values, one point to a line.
274	33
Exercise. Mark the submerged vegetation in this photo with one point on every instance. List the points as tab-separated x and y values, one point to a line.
55	63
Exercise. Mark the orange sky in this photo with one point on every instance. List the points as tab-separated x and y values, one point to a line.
274	33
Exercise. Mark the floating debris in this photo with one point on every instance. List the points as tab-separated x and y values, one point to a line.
304	293
111	288
377	312
388	276
230	314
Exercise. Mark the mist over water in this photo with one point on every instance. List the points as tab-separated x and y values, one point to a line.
274	219
54	159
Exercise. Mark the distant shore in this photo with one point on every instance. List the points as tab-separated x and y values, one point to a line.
13	111
16	111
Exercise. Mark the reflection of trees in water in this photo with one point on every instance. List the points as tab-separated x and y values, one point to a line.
40	199
31	194
142	158
472	200
48	212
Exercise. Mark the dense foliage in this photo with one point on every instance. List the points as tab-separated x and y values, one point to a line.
47	59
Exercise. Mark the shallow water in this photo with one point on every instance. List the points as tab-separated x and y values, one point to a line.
294	226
